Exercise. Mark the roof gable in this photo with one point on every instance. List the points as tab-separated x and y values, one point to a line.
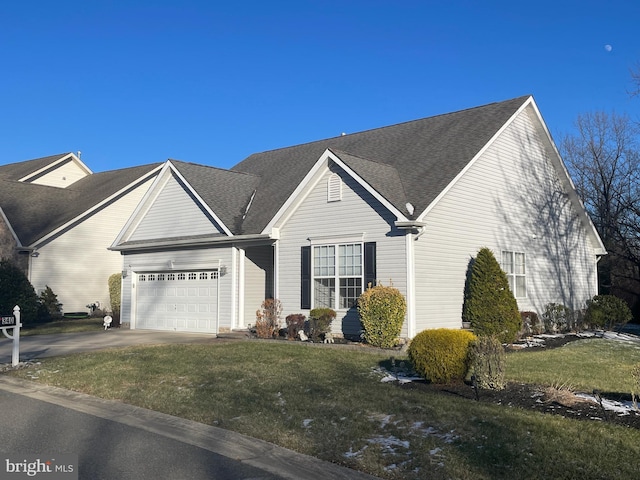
37	211
426	155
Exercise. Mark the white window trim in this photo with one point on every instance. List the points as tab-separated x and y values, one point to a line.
316	242
514	275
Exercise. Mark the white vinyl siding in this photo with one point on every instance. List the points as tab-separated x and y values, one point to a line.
173	213
62	176
358	214
77	265
509	199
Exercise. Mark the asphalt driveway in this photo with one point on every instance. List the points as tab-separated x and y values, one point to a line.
40	346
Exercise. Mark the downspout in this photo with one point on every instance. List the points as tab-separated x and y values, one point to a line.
413	231
411	285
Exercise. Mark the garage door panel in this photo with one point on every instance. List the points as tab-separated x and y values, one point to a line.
184	301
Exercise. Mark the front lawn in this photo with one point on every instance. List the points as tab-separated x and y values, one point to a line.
330	403
64	325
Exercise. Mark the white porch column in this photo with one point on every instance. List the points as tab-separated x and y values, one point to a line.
411	284
241	280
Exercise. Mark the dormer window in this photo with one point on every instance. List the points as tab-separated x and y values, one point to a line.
334	188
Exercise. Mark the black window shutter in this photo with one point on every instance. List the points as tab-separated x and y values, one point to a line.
305	274
370	275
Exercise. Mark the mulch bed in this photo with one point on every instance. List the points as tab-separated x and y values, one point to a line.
538	398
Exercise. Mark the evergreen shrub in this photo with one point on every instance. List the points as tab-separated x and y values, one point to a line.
557	318
382	311
50	302
441	355
607	311
320	322
15	289
489	304
488	362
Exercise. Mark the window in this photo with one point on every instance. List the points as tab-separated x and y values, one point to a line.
181	276
171	276
513	263
339	265
193	276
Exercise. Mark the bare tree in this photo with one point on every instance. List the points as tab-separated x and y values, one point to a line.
604	161
635	79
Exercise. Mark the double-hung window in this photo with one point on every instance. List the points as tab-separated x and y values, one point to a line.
337	275
514	265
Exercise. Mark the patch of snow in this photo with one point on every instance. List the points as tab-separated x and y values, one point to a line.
435	451
448	437
400	377
389	443
306	422
621	408
352	454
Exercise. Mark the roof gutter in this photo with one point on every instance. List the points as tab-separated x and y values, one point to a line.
196	242
413	226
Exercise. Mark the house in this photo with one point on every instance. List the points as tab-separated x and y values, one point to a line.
314	224
57	219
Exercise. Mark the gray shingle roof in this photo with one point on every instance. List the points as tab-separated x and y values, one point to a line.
36	210
18	170
426	155
227	192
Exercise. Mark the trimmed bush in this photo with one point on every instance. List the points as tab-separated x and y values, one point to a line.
295	323
320	323
382	311
441	355
607	311
15	289
488	362
489	304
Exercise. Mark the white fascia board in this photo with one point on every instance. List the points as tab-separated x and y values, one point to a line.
75	159
203	204
473	160
8	224
573	193
95	208
311	178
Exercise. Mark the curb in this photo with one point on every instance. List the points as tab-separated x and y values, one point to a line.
257	453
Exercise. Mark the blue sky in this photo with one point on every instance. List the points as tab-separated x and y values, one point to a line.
134	82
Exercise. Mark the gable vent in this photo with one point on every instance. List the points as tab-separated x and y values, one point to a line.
334	188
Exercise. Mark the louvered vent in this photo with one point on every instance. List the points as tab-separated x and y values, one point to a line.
334	188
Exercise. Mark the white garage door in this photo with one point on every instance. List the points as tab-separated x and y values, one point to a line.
177	301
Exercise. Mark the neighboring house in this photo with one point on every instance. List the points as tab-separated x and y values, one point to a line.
312	225
57	219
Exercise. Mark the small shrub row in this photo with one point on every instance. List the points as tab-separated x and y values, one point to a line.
441	355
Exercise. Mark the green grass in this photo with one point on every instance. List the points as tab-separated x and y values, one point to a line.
584	365
63	326
330	403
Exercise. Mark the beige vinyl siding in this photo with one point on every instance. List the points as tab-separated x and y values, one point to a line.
173	213
76	265
258	273
63	176
510	199
357	213
183	260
